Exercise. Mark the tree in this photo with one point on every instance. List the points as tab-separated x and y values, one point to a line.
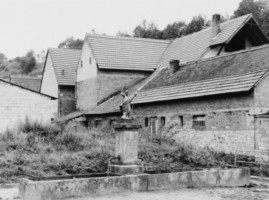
147	30
197	23
174	30
3	58
71	43
123	34
27	62
259	9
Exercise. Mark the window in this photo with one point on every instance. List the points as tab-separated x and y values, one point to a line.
153	126
63	72
162	121
146	121
198	121
112	122
97	123
90	60
81	63
181	122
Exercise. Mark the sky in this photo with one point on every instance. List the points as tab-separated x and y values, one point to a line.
40	24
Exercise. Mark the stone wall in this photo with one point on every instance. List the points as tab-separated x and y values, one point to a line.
103	123
108	85
95	90
67	100
223	141
86	92
226	123
17	103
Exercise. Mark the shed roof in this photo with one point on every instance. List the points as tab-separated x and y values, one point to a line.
245	66
126	53
224	85
29	82
65	62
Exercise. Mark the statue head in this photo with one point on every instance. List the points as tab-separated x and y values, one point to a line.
126	92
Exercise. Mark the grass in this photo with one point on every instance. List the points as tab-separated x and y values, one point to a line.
44	150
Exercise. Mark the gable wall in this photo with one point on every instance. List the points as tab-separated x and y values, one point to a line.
17	103
49	82
86	85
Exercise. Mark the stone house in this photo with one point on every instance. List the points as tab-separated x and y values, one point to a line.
18	102
109	64
219	102
59	78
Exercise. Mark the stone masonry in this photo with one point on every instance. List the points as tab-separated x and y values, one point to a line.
17	103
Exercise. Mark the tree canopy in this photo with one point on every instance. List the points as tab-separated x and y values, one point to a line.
259	9
71	43
171	31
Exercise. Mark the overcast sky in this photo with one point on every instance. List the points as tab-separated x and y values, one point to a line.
39	24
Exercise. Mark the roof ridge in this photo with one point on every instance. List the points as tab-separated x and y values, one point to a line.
210	27
212	79
128	38
63	49
227	54
26	77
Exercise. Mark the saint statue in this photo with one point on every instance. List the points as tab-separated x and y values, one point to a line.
126	105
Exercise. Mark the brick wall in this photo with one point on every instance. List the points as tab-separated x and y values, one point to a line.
67	101
17	103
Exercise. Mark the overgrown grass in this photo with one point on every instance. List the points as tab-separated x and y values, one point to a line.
43	150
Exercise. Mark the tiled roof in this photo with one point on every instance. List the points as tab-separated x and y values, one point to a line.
29	82
240	62
110	106
127	52
65	62
234	72
224	85
193	46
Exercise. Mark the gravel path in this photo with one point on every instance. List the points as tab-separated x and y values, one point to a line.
257	193
189	194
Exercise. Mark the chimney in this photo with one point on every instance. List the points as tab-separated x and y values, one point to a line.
215	25
173	66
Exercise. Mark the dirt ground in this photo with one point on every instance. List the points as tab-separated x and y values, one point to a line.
254	193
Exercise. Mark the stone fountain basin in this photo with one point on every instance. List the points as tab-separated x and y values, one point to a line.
88	186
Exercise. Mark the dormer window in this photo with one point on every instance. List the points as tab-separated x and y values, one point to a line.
63	72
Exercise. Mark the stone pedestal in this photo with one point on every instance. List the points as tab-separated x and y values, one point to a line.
126	148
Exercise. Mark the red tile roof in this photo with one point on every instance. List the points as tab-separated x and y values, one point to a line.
65	62
127	52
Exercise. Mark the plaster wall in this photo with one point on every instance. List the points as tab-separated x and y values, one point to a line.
49	84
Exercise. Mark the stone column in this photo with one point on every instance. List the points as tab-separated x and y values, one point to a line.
126	148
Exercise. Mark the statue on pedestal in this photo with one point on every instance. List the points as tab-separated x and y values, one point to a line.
126	105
